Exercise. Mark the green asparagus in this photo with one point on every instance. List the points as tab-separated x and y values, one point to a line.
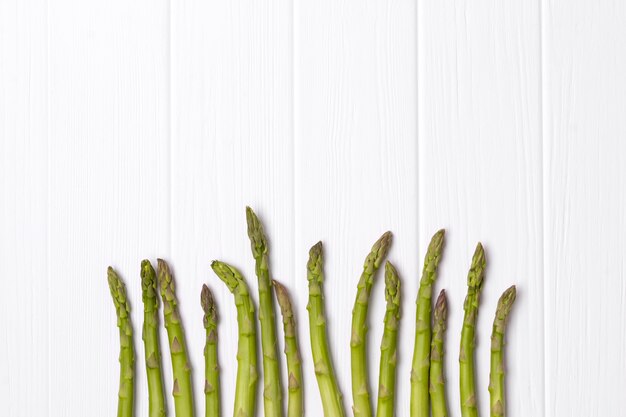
496	378
294	362
421	350
437	378
125	404
150	336
466	356
272	390
332	401
358	345
211	366
388	346
245	391
181	369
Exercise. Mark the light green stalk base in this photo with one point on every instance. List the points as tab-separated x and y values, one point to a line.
211	366
245	390
332	401
439	405
389	345
496	377
358	346
181	369
126	394
466	356
150	336
272	390
421	350
295	406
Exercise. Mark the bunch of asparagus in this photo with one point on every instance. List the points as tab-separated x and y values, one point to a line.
427	380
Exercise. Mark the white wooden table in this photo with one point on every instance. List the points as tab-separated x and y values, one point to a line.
143	128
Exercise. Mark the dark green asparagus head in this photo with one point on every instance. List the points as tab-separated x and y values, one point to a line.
166	282
256	234
476	272
227	273
316	262
505	303
433	254
441	308
148	285
378	253
392	285
208	306
118	293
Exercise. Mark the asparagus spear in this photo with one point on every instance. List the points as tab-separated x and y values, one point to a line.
125	404
245	391
466	356
294	363
388	346
358	354
437	379
272	392
496	378
150	336
332	401
181	369
421	350
211	366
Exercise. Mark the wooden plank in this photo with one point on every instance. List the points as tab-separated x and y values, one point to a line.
232	146
480	160
356	167
109	187
24	303
585	183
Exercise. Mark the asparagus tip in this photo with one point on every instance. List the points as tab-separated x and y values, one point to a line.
162	265
282	295
206	299
255	233
392	283
208	305
436	242
441	306
226	273
380	248
316	259
505	303
147	271
475	275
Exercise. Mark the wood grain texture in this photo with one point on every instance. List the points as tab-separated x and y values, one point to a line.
232	146
143	129
109	188
585	211
24	302
480	177
355	163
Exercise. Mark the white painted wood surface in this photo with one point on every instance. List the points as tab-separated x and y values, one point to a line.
143	129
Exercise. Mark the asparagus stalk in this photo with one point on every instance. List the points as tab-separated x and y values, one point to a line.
294	363
358	348
421	350
466	356
150	336
125	404
272	391
388	346
437	378
332	401
211	366
181	369
496	378
245	390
